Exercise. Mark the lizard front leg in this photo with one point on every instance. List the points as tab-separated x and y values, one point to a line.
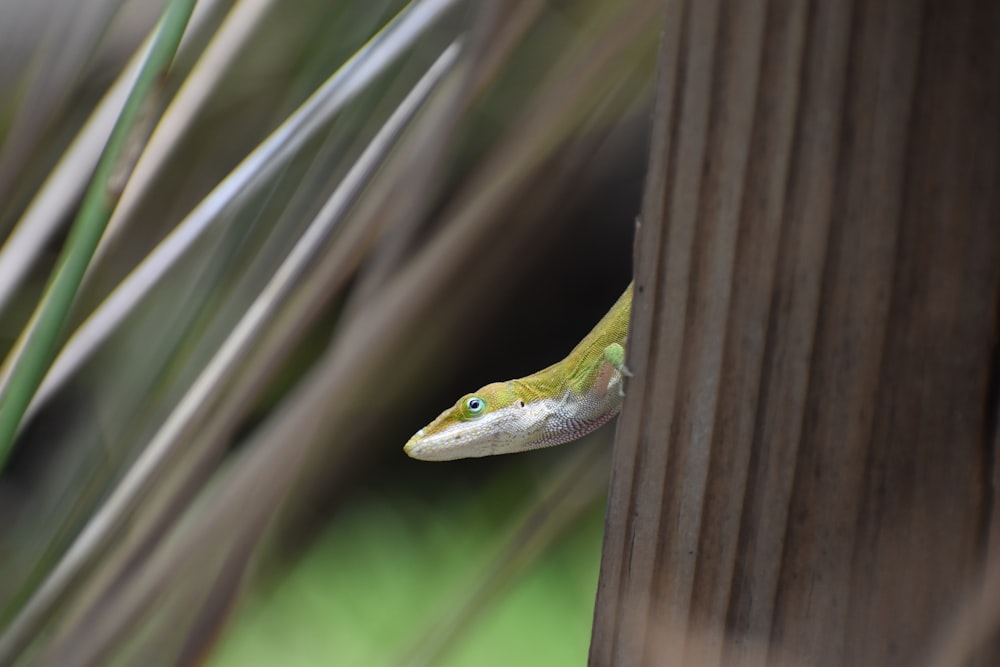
614	360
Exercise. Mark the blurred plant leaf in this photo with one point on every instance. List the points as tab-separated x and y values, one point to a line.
29	362
198	413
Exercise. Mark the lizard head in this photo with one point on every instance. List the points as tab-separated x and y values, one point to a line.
497	419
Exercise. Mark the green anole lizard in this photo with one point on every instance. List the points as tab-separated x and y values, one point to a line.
563	402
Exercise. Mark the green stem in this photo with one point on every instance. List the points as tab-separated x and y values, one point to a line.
100	200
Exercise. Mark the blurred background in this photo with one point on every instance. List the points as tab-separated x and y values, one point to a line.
330	220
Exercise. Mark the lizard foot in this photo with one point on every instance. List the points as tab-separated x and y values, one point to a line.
615	355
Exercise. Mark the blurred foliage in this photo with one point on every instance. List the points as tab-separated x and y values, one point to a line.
193	469
389	566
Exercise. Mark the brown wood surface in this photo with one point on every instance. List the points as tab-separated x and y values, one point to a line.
805	464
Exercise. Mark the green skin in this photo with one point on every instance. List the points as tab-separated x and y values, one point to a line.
558	404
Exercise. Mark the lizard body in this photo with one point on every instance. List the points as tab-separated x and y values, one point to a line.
558	404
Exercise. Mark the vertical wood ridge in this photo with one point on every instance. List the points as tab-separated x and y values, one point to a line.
800	472
613	630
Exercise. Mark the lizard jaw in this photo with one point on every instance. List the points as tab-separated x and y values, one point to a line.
504	431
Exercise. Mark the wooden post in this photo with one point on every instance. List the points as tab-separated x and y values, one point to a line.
806	461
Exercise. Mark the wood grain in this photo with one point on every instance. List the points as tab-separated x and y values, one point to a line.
805	464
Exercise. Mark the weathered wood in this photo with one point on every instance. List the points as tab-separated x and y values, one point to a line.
805	463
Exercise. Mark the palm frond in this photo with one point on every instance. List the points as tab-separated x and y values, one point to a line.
291	281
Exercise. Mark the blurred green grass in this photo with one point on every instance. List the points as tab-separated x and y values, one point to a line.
391	562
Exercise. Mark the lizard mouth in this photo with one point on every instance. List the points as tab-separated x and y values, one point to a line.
412	447
429	448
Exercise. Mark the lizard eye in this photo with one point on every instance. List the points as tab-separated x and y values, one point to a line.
475	405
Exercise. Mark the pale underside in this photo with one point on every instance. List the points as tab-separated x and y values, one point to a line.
538	423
